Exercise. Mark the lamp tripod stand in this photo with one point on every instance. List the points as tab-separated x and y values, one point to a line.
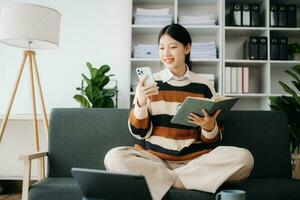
33	74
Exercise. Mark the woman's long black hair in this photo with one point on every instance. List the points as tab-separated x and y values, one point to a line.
180	34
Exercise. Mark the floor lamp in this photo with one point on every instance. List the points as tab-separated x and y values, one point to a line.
29	26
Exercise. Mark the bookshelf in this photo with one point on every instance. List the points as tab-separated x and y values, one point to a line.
263	74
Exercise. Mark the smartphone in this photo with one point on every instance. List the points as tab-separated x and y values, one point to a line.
142	71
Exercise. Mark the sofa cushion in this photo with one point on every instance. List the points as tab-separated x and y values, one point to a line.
270	189
81	137
55	188
265	134
256	189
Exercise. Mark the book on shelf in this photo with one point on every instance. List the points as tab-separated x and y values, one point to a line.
237	79
195	105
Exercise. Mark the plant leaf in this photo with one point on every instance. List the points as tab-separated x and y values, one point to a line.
296	68
297	85
287	88
82	100
86	79
108	93
90	66
108	103
293	75
103	81
89	93
103	69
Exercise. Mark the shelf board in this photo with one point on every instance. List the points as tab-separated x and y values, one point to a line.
287	32
146	29
244	31
243	28
153	2
250	95
206	61
284	63
193	29
246	61
202	30
158	60
196	2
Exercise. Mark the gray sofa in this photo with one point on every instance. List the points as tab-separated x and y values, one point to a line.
81	137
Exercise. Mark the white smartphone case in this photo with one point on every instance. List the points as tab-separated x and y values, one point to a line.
142	71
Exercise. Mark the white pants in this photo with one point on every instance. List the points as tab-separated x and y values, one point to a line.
206	173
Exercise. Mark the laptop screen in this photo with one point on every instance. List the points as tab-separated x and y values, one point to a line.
101	184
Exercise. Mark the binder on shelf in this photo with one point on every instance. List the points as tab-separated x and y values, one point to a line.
262	46
274	15
283	48
292	19
282	16
274	53
251	49
236	19
245	14
255	15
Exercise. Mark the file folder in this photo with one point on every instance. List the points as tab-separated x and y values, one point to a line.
292	19
255	15
245	15
274	15
283	48
274	53
262	46
251	48
282	16
236	15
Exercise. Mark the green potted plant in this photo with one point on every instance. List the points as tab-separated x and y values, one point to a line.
294	50
94	94
291	105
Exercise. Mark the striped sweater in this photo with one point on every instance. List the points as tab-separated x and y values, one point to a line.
151	123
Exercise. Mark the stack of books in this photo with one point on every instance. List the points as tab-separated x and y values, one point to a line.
203	20
204	50
153	16
146	51
237	79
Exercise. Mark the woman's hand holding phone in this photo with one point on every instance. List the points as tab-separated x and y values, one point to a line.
144	91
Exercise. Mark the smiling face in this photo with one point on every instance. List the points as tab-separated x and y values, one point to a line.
172	53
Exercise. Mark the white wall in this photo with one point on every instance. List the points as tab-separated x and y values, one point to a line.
97	31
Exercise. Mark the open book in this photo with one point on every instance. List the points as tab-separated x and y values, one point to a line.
195	105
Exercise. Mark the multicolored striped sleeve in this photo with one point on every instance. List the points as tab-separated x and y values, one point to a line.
139	123
211	136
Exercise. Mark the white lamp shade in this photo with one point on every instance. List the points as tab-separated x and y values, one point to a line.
29	26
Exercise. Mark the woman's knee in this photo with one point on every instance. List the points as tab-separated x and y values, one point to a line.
245	158
240	156
113	158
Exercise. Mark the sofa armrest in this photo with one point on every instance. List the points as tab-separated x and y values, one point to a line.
27	170
34	155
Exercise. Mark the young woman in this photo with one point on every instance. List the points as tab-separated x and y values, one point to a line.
171	155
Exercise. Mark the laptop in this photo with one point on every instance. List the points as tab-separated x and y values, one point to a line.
100	184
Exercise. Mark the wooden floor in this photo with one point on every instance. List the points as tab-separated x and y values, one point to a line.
10	197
